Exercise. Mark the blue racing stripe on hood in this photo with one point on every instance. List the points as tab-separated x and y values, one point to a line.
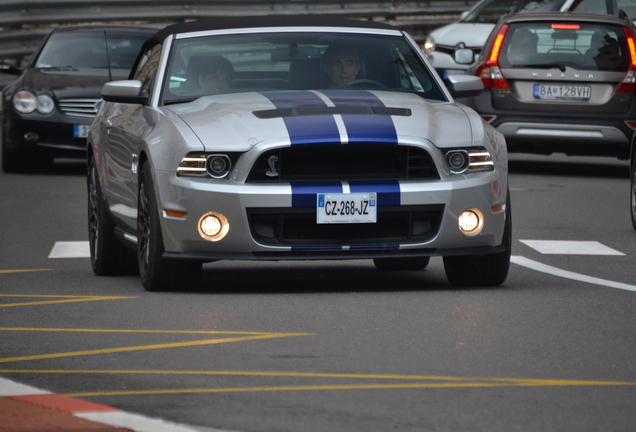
388	191
305	129
304	194
364	127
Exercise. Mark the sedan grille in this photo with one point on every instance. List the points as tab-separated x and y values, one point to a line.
85	107
298	227
338	162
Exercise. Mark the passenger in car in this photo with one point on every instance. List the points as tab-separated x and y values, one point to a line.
605	51
209	73
341	64
523	47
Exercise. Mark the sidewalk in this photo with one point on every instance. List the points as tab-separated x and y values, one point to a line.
28	409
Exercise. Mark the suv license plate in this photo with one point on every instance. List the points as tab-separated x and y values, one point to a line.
346	208
567	92
80	131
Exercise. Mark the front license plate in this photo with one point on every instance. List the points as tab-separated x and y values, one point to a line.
80	131
562	92
449	72
346	208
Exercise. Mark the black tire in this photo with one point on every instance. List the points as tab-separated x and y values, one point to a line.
158	273
483	270
632	189
401	264
108	256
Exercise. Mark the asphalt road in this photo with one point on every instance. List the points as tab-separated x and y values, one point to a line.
338	346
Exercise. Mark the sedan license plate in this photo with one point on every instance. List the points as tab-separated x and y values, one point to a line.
80	131
562	92
346	208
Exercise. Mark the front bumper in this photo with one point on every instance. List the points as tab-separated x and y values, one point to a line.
426	212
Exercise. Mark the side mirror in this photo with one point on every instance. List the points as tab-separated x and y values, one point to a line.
464	56
11	66
463	86
125	91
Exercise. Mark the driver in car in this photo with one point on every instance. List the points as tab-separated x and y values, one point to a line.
341	64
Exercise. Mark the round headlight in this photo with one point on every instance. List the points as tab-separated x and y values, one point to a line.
429	45
45	104
24	102
457	161
471	222
219	165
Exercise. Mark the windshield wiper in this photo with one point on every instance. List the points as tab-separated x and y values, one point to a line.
182	100
561	67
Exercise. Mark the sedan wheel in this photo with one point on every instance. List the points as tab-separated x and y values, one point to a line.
108	256
158	273
486	270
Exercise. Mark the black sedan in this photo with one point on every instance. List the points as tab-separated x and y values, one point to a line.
48	110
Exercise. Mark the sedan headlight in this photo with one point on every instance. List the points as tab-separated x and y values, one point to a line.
460	161
26	102
429	45
206	165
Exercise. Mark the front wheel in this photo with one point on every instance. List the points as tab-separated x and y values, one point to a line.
486	270
158	273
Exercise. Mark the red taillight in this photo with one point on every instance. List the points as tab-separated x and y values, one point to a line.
628	85
489	71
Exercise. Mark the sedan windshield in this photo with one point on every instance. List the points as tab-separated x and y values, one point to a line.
294	61
91	49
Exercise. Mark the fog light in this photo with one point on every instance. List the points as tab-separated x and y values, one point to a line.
213	226
31	136
471	222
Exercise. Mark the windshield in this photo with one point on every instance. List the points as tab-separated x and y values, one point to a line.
87	49
489	11
294	61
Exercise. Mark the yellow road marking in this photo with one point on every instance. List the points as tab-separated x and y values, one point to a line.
531	383
69	299
24	270
150	347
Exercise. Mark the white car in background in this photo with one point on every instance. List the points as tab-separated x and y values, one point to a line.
457	45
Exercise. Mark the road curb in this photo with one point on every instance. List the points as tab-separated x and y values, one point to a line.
23	408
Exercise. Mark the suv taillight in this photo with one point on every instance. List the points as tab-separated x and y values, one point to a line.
489	71
628	85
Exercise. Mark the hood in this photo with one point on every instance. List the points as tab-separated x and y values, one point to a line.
70	82
472	35
238	122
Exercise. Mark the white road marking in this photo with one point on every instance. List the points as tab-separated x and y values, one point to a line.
570	247
74	249
543	268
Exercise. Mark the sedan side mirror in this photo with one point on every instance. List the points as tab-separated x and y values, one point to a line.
124	91
11	66
463	86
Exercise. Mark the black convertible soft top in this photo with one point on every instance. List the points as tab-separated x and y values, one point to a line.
268	21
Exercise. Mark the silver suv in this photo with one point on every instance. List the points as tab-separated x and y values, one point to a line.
472	30
559	82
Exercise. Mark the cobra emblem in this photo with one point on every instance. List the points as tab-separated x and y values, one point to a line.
272	166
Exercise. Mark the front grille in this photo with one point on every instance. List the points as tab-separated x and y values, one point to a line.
343	162
298	227
85	107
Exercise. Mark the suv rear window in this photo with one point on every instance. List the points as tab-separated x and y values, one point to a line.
580	46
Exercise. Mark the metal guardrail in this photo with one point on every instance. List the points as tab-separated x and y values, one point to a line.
23	23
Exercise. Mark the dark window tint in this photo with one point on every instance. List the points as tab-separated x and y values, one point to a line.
91	49
549	45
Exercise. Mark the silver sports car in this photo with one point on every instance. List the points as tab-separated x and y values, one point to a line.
293	139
